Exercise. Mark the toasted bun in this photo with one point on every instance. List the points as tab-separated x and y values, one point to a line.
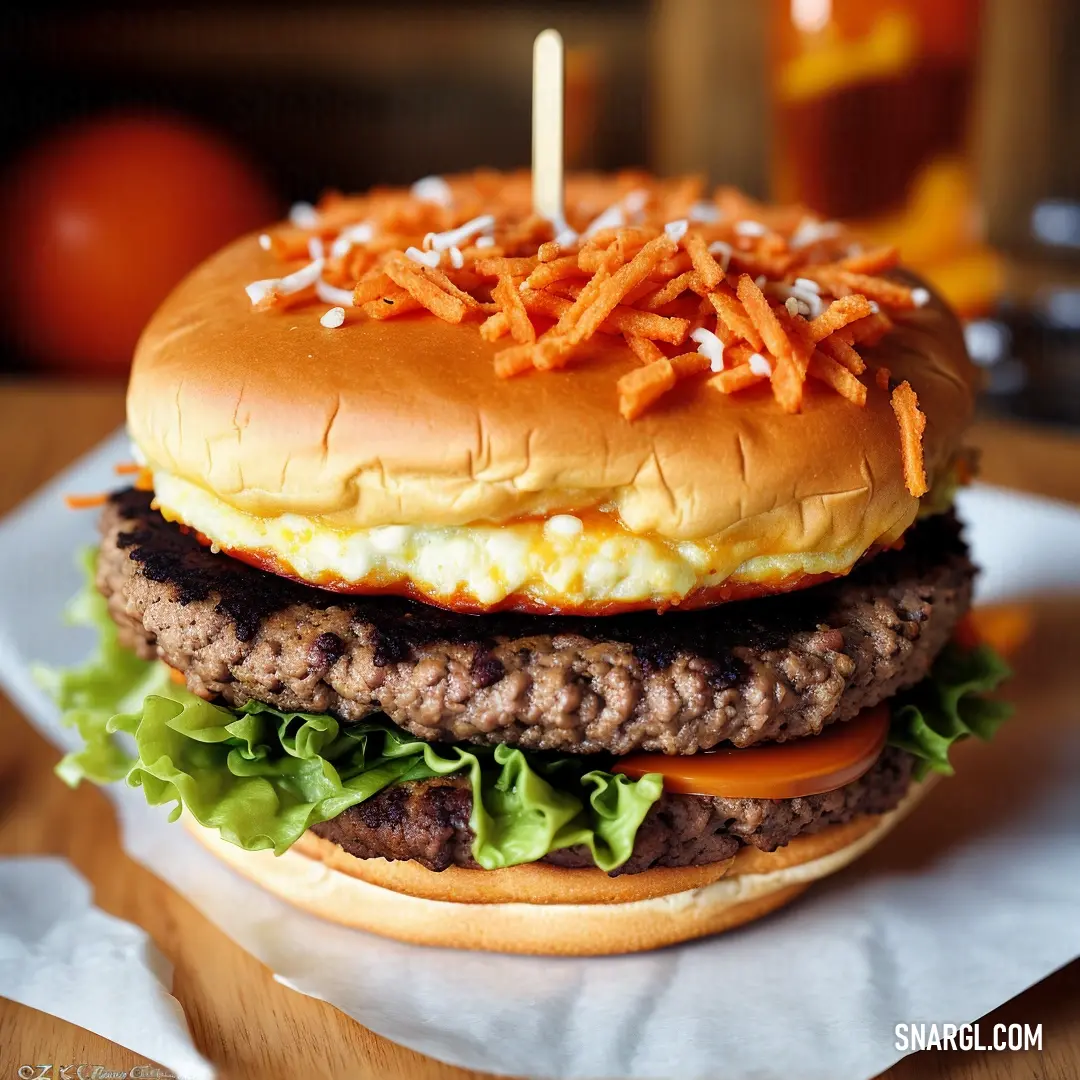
545	910
404	421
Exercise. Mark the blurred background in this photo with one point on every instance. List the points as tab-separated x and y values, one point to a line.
139	137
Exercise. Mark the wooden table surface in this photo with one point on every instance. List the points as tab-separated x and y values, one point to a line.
240	1018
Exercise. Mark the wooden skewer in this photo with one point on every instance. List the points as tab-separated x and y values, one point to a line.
547	128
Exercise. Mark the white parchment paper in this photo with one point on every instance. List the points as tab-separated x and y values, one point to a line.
62	955
812	992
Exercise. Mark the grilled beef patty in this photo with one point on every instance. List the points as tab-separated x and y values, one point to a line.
428	821
771	669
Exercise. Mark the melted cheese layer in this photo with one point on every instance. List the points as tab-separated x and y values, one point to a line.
560	563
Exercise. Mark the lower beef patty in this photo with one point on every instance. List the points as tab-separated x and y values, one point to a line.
428	821
771	669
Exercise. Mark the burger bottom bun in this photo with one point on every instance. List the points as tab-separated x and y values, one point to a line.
541	909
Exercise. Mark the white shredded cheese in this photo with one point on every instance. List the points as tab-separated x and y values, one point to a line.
433	189
710	346
265	242
706	212
564	525
484	242
462	234
333	318
353	234
331	294
258	290
676	230
921	297
808	300
792	305
875	307
724	250
810	231
611	218
760	365
291	283
750	228
615	216
761	281
457	260
303	215
315	248
808	293
428	258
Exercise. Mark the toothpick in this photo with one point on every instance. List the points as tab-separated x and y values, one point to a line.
547	128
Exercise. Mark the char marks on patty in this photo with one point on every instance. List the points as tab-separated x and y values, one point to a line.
781	667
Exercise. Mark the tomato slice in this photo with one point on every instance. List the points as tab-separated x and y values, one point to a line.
807	766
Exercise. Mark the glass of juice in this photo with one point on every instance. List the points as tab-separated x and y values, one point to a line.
872	110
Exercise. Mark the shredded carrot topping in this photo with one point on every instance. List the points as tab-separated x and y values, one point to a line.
495	326
507	295
838	314
738	378
868	331
836	347
838	377
85	502
425	292
660	265
690	363
646	350
705	265
731	313
639	388
905	404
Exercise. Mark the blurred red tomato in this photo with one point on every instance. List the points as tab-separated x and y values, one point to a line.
100	221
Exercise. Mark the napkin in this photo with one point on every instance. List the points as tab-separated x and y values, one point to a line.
62	955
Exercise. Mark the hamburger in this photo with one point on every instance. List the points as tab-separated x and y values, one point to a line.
577	587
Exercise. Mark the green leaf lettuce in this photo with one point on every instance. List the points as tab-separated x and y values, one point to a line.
930	718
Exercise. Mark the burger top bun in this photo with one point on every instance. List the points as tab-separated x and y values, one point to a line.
404	421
